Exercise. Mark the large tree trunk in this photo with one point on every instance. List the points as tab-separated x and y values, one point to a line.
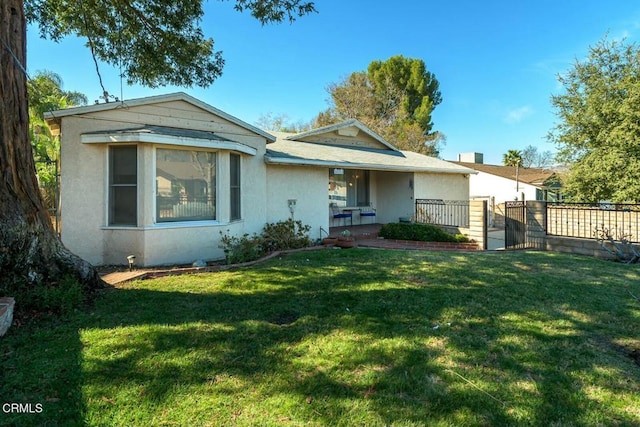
31	253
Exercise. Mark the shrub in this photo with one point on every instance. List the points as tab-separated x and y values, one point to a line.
420	232
242	249
277	236
287	234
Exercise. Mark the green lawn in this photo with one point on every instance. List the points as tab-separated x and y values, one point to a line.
351	337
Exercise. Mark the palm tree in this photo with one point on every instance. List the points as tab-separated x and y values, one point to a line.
513	158
45	93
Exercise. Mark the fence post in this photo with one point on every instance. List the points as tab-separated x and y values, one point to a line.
536	212
478	223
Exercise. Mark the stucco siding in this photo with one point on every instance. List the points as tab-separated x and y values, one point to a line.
441	186
83	193
308	186
179	244
503	189
394	195
85	187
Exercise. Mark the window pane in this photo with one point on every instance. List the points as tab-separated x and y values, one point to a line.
124	165
234	190
349	187
185	185
123	177
124	206
337	187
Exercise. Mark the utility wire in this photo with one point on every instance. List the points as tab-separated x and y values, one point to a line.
15	58
105	94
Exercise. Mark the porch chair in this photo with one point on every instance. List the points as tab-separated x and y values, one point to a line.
368	212
337	214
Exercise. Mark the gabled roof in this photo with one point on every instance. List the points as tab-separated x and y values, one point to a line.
351	123
286	151
166	135
177	96
534	176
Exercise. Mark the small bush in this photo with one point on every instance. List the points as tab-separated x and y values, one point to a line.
419	232
277	236
242	249
287	234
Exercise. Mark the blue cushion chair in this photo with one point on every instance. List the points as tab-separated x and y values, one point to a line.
368	212
338	214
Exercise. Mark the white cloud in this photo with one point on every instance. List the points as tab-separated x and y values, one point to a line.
516	115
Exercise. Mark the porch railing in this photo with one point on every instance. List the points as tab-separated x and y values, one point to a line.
454	213
582	220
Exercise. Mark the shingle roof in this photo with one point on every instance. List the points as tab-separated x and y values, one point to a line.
533	176
163	130
289	152
167	135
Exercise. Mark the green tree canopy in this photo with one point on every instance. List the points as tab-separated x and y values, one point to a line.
598	132
395	98
155	42
45	93
512	158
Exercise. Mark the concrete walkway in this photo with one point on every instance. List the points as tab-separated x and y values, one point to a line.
495	237
123	276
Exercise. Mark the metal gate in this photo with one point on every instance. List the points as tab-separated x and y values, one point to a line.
515	230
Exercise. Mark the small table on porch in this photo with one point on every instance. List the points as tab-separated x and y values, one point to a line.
351	210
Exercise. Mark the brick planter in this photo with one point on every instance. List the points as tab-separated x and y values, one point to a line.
6	314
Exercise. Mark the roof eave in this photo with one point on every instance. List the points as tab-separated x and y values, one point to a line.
53	116
344	124
348	165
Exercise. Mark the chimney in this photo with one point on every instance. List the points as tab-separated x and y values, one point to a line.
477	158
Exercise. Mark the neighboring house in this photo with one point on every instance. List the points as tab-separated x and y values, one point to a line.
505	183
163	177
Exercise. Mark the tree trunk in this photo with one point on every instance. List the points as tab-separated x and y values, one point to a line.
31	253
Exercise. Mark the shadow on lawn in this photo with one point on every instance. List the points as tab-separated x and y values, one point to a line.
390	357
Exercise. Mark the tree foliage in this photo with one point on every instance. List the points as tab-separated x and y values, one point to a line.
45	93
155	42
534	158
395	98
598	133
512	158
281	123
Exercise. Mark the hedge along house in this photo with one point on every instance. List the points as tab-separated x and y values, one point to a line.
162	177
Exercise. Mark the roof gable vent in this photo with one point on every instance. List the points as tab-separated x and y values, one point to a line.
350	131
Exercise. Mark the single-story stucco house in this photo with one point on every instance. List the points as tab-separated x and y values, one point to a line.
162	177
506	183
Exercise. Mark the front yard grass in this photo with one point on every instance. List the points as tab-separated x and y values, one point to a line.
358	337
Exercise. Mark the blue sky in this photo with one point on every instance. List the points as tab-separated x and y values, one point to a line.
496	61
